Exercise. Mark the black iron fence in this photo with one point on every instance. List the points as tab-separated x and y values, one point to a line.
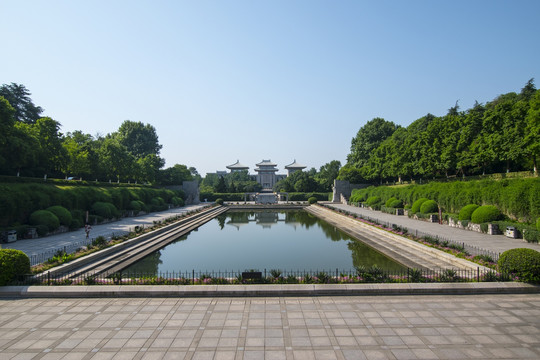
274	276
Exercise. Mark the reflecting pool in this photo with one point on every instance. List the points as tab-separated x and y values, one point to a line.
243	240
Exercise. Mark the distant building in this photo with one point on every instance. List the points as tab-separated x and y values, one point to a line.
237	167
292	168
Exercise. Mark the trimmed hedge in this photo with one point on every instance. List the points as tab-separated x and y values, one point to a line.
516	198
415	208
429	207
62	214
312	200
19	200
13	263
373	200
486	213
219	201
466	211
45	218
396	204
105	210
389	201
524	263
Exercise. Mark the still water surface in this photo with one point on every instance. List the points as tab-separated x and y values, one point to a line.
286	240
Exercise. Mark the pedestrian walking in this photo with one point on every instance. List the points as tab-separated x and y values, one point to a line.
87	229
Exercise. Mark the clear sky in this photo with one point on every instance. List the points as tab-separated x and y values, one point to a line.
253	80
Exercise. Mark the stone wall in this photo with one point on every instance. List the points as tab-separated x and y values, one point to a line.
344	188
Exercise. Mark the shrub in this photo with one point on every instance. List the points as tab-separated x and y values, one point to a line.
62	214
373	200
396	204
312	200
415	208
105	210
429	206
486	213
524	263
389	201
466	211
13	263
177	201
45	218
135	206
538	224
75	224
219	201
532	236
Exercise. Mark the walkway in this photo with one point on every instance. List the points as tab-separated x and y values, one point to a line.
320	328
54	242
493	243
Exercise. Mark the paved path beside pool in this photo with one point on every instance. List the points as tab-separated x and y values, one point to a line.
284	328
493	243
54	242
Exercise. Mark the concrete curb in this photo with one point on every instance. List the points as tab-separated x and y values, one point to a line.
273	290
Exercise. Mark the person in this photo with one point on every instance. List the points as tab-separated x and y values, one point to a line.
87	229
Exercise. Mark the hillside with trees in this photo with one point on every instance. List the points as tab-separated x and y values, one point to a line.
500	136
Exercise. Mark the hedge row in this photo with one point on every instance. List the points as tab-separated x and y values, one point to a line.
516	198
293	196
18	201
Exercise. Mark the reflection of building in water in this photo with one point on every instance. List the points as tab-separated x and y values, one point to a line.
265	219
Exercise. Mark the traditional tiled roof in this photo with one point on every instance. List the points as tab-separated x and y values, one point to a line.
295	165
266	163
237	166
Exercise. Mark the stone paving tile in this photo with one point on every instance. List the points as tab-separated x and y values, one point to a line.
397	327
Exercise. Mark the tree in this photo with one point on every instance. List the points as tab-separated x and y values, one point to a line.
327	174
77	148
52	155
116	160
221	186
532	131
19	98
368	138
139	139
175	175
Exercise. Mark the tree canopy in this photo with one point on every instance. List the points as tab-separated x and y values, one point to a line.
502	135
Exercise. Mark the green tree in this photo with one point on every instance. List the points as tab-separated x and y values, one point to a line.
19	98
138	138
327	174
116	160
368	138
221	186
52	156
532	132
175	175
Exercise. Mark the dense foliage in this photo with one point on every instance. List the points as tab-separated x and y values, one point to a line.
516	198
13	263
45	218
32	145
415	208
502	135
429	207
63	214
523	263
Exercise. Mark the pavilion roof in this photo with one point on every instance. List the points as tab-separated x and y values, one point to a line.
237	166
295	165
266	163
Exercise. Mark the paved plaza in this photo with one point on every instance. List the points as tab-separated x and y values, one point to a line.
322	328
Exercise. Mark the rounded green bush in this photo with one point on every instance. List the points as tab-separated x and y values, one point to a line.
429	207
396	204
389	201
13	263
312	200
42	230
76	224
466	211
415	208
45	218
486	213
62	214
373	200
135	206
101	209
219	201
523	263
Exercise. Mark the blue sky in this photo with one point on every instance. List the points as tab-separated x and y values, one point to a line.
253	80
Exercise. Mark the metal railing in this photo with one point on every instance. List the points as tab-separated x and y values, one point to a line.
274	276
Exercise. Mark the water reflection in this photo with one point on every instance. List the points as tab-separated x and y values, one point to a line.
241	240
